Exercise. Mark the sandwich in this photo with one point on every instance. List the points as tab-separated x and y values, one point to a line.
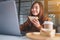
32	17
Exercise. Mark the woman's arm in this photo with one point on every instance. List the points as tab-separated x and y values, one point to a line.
40	27
25	25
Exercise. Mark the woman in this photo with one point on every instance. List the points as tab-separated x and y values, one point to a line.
36	24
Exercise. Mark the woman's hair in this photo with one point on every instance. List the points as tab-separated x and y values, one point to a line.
41	9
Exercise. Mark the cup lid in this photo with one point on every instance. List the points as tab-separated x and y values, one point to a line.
48	22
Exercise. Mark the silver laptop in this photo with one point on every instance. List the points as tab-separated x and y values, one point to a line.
9	18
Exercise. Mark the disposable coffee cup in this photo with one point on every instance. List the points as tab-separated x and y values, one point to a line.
48	25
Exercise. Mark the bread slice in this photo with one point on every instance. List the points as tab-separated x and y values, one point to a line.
32	17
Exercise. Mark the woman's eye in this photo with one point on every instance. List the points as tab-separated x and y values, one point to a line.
36	7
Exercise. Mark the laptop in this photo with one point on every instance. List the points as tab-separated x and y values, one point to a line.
9	18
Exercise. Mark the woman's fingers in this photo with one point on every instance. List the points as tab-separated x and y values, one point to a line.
36	22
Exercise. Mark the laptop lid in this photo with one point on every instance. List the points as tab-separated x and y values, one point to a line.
9	18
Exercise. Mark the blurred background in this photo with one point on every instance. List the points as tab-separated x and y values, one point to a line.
51	8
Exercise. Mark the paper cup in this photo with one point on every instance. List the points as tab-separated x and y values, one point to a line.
48	25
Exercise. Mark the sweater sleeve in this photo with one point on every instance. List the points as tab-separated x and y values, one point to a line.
24	26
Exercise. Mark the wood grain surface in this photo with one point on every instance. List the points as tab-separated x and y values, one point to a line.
37	36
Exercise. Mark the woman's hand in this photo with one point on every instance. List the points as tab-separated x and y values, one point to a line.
36	22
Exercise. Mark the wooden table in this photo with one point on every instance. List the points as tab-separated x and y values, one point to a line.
37	36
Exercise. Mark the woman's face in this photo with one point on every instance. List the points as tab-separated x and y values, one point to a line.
35	9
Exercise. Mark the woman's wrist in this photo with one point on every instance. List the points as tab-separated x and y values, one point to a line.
40	27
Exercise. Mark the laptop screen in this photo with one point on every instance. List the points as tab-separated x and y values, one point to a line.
9	18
